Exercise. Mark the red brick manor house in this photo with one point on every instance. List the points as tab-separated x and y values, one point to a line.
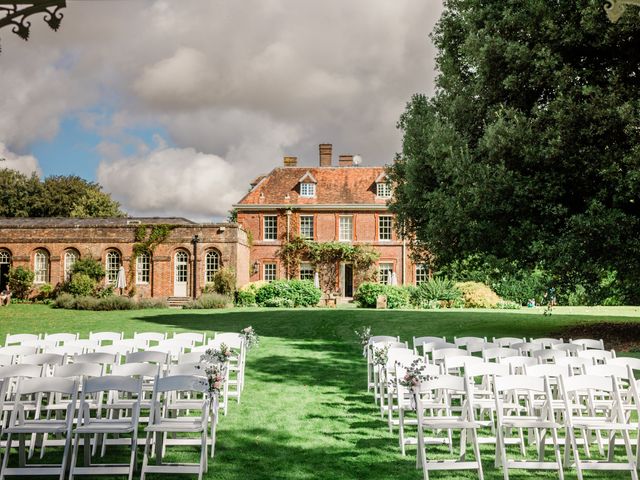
344	202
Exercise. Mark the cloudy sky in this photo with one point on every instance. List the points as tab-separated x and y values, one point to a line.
174	106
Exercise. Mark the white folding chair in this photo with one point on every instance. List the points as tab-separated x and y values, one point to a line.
417	342
508	341
398	356
149	337
631	362
5	359
195	338
238	344
462	342
406	403
575	364
517	363
497	353
588	343
515	410
160	424
174	347
597	356
20	339
548	355
85	345
21	426
102	427
46	360
18	351
479	347
454	364
61	338
571	348
440	354
368	353
68	350
148	356
102	337
546	342
433	396
106	359
611	422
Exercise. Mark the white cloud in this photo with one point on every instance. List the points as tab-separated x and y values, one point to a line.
26	164
246	81
172	181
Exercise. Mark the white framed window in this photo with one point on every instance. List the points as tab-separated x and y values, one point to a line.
41	267
346	228
385	227
269	272
307	190
112	265
5	257
383	190
385	272
422	273
181	267
70	258
306	227
270	227
143	268
306	271
212	265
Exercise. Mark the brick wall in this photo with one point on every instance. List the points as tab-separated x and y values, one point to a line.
228	239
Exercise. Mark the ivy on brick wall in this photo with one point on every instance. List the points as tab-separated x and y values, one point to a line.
326	258
147	238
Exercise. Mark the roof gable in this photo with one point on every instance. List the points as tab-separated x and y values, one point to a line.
308	178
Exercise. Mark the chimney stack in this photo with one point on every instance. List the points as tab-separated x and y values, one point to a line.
345	160
290	161
325	154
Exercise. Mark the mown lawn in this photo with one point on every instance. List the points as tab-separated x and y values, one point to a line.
305	412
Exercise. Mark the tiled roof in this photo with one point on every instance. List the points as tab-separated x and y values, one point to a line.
336	186
51	222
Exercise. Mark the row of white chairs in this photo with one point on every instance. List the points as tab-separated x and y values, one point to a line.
460	401
34	364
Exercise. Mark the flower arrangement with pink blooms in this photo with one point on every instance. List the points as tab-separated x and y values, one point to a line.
414	374
216	374
251	337
216	355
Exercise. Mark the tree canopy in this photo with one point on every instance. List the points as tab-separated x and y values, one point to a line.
56	196
530	148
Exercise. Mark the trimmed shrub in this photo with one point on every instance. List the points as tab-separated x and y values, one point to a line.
90	267
508	305
64	300
301	293
437	291
246	298
208	301
45	293
144	303
80	284
20	282
278	302
113	302
224	281
368	292
478	295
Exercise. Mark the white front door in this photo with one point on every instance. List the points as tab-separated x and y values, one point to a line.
181	274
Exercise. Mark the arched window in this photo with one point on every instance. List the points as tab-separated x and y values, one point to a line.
71	256
5	257
41	266
212	264
112	265
143	268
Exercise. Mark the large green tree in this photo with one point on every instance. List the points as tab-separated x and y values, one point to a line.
57	196
530	148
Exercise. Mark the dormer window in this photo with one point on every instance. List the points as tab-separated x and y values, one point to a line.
307	185
383	190
307	190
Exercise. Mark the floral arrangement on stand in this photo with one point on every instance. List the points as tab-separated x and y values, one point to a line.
251	337
364	334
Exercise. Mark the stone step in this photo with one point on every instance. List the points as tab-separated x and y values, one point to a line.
177	302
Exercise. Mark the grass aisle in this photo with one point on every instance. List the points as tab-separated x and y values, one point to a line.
305	412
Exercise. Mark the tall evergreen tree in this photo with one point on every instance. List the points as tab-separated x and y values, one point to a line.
530	148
